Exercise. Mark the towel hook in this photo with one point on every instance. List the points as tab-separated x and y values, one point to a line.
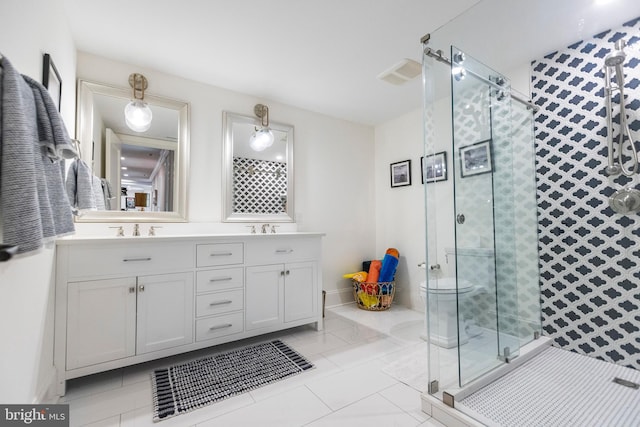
76	143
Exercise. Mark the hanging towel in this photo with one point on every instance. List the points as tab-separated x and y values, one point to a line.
32	199
107	193
55	146
80	187
98	194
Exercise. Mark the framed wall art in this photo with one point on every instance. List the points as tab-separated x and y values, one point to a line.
51	79
475	159
401	173
434	167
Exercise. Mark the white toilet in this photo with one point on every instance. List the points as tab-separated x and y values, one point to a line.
444	293
443	303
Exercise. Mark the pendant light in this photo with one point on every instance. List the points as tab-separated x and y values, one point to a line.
137	114
262	138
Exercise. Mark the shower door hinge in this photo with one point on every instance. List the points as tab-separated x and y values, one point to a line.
506	355
448	399
536	335
433	387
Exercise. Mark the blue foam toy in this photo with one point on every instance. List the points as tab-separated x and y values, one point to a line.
388	269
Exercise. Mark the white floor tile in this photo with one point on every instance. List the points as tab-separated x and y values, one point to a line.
294	408
351	385
109	422
143	417
407	399
356	333
432	423
322	368
318	343
100	406
372	411
357	353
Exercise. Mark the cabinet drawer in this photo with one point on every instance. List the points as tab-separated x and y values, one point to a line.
219	326
133	258
219	254
215	280
280	250
219	303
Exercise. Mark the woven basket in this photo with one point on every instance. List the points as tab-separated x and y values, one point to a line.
374	296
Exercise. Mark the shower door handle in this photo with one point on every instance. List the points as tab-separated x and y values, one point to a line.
460	218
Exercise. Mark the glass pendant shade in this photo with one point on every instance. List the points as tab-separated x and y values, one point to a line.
261	139
138	115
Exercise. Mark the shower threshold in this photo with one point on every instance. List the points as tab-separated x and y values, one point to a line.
552	387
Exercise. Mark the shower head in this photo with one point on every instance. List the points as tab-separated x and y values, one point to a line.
617	56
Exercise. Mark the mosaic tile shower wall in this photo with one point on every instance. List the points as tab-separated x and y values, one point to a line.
589	255
259	186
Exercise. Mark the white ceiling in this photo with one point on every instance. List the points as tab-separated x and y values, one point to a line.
324	56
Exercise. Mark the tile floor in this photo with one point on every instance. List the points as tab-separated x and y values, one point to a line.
350	386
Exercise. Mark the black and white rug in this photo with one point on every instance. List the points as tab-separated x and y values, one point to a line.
192	385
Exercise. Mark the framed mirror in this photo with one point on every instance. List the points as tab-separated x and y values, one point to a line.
143	174
257	185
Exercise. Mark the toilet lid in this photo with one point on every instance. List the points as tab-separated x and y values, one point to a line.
448	285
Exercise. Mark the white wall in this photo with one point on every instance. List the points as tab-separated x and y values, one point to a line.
29	29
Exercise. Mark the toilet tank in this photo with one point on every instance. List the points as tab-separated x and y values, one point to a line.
476	265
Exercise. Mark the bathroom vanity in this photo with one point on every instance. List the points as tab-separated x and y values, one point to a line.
127	300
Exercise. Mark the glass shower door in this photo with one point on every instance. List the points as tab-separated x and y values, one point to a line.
484	217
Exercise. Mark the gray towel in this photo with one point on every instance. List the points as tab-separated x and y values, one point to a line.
55	146
32	199
109	198
98	194
80	187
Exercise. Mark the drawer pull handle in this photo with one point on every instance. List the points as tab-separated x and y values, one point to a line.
215	328
221	254
284	251
227	301
220	279
136	259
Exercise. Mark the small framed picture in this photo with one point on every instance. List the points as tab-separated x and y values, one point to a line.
475	159
51	79
131	202
434	167
401	173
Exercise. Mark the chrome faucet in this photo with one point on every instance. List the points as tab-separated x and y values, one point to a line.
136	229
264	228
119	232
152	230
273	229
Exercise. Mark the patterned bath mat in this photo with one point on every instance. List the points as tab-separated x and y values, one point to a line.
192	385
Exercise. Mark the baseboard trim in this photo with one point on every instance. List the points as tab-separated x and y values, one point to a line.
338	297
47	392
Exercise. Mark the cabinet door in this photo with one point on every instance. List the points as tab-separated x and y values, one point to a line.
101	321
264	296
300	291
165	311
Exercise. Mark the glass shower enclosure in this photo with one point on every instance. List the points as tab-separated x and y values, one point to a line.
482	275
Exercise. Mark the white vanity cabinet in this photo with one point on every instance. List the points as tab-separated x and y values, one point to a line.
121	301
112	319
282	282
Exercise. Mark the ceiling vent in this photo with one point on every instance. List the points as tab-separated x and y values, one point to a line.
402	72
